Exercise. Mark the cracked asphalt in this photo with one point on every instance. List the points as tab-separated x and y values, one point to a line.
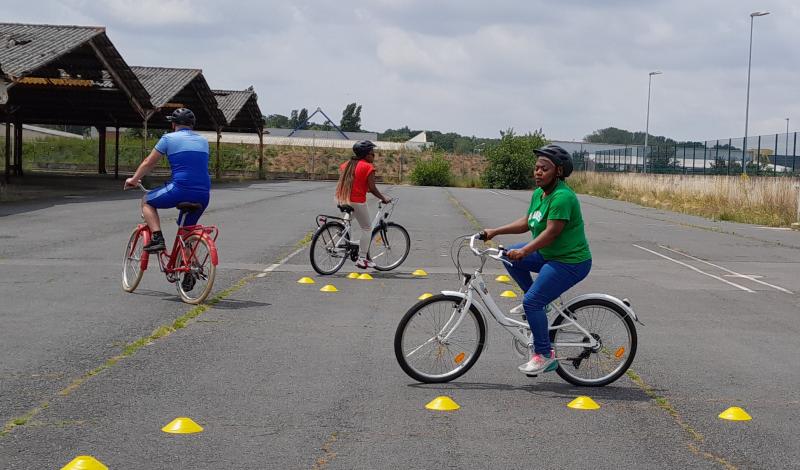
282	375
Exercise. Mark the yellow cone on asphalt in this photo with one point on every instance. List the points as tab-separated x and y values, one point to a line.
84	462
583	403
425	296
503	278
735	413
352	276
182	425
329	288
305	280
442	403
364	277
419	272
508	293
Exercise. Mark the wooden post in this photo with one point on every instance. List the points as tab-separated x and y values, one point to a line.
101	150
260	131
217	169
18	147
116	153
8	149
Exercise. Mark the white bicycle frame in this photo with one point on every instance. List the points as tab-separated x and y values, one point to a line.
487	306
379	215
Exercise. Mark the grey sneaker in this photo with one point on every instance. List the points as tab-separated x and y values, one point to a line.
540	363
364	263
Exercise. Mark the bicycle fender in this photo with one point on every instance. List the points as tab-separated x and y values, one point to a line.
606	297
212	248
145	234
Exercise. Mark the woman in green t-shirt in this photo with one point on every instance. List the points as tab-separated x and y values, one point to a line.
559	251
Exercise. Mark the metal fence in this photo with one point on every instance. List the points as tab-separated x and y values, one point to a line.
766	155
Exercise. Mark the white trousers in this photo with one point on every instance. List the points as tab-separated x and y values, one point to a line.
361	214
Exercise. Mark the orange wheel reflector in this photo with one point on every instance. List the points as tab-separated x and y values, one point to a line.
460	358
619	353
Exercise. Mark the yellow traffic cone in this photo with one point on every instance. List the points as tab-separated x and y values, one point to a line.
442	403
305	280
503	278
583	403
419	272
329	288
364	277
84	462
508	293
735	413
425	296
352	276
182	425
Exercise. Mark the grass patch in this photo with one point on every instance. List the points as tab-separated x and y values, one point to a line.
769	201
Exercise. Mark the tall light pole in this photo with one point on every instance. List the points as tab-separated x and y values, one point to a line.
747	109
647	125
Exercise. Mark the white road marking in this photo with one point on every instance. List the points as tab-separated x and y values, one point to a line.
745	276
274	266
695	269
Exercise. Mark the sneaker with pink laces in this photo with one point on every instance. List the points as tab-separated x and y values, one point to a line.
364	263
540	363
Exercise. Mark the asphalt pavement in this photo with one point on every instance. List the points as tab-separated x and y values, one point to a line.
281	375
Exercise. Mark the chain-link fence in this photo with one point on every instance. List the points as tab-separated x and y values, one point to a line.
766	155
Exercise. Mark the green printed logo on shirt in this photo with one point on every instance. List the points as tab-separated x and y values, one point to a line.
571	245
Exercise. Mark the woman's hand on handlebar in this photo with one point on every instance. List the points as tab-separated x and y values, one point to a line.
487	234
515	255
386	200
131	183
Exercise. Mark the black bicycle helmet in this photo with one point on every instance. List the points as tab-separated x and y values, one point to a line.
558	156
183	117
362	148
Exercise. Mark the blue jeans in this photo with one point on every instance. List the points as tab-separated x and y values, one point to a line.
554	279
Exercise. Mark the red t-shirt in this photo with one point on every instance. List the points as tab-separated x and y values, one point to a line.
358	193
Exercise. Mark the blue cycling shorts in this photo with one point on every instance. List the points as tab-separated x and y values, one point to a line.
169	196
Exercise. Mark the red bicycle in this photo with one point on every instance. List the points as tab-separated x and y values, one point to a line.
191	264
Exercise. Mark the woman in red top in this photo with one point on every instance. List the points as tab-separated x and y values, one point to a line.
356	178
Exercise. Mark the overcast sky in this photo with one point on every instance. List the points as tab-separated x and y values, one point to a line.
475	67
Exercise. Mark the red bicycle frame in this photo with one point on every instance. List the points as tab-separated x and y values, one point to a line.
167	260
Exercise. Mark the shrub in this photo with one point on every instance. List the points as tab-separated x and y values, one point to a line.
433	172
511	160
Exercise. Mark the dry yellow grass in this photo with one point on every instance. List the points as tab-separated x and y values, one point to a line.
756	200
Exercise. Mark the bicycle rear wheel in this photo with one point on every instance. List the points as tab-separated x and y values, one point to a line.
430	343
611	326
326	256
195	285
389	246
132	261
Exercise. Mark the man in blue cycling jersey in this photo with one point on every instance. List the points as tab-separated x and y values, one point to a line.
188	155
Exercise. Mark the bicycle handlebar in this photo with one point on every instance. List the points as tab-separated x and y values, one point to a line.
495	253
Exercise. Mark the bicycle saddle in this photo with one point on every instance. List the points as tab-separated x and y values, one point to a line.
189	206
347	209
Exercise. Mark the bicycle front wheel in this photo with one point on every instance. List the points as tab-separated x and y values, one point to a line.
389	246
438	341
328	248
132	261
615	332
195	285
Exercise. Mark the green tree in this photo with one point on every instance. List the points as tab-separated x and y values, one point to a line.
302	117
351	118
293	119
277	121
511	160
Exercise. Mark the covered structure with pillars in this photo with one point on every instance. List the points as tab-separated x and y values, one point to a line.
172	88
242	114
74	75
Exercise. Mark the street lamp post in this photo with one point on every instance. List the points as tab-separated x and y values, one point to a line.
787	137
647	125
747	108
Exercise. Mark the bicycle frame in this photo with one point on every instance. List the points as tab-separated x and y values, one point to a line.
487	306
167	260
381	217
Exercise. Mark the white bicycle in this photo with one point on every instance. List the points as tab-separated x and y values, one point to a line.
331	244
441	338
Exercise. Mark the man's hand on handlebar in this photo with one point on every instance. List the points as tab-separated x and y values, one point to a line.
386	200
487	234
131	183
515	255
